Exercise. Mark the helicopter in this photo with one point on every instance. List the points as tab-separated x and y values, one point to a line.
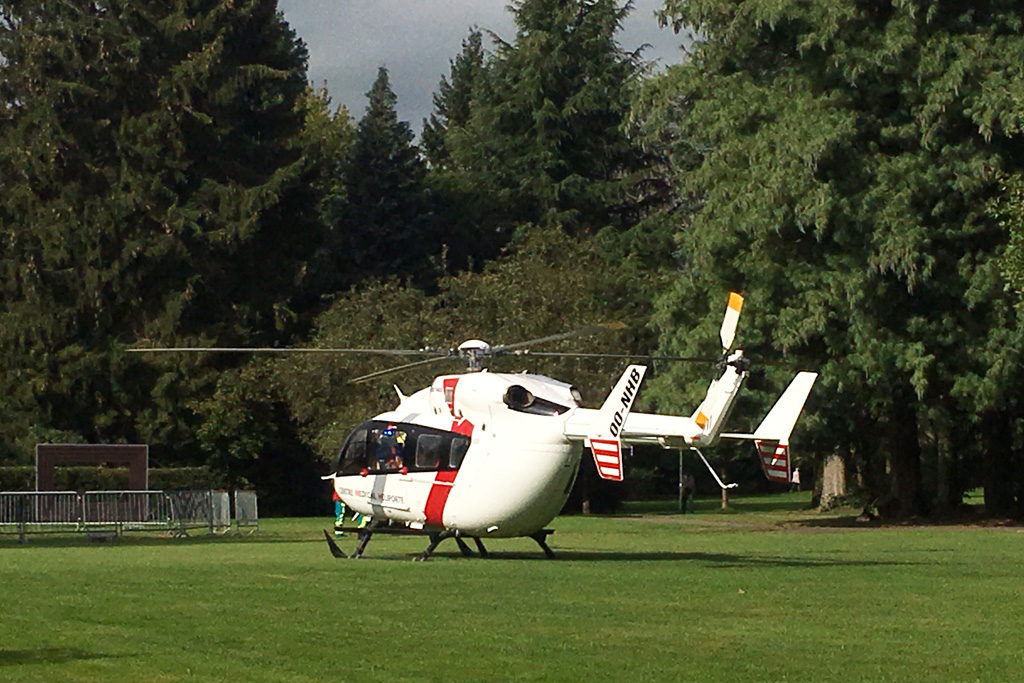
487	455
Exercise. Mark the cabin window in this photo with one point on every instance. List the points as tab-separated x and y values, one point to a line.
428	451
457	452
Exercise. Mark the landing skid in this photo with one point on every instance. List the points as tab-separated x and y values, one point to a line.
436	538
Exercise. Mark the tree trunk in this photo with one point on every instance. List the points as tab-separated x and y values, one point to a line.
725	491
999	474
949	492
905	457
833	482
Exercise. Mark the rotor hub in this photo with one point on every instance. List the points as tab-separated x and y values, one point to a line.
474	351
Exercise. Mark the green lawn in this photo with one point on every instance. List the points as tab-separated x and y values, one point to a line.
765	592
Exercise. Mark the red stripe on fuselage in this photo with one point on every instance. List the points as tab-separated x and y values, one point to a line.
462	426
438	497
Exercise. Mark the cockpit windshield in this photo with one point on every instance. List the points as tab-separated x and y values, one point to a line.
380	447
388	446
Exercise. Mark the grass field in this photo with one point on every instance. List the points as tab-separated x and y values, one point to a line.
765	592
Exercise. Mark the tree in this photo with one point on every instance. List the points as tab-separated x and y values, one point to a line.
546	140
383	227
846	157
453	101
1009	209
154	191
327	139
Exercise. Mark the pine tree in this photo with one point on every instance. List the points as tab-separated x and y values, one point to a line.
453	101
154	192
546	140
383	226
1009	210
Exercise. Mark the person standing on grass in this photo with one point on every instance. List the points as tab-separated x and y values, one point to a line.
795	481
688	486
339	515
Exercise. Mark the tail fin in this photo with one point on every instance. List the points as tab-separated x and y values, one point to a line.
605	441
772	436
779	422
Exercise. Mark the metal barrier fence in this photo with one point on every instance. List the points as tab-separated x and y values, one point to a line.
127	509
25	512
54	511
246	511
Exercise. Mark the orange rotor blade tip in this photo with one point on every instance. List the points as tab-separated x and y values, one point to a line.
735	301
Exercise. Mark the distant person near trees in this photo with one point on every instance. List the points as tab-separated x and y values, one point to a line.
687	486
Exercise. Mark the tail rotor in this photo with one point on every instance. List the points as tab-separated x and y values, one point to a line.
729	322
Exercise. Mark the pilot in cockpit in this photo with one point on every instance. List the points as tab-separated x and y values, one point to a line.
390	449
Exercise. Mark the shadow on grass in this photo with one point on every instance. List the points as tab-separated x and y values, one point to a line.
717	560
837	522
721	560
47	655
799	501
136	539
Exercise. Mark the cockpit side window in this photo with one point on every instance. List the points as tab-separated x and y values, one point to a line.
457	452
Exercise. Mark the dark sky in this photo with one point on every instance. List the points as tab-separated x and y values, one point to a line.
415	39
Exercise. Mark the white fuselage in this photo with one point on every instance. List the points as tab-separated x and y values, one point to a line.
496	454
513	479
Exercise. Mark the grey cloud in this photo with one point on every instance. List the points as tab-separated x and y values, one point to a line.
415	39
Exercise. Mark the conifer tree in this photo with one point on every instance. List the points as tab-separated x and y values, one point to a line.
461	207
153	192
847	154
383	226
453	101
546	139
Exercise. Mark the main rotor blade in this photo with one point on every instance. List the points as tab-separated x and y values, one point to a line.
637	356
224	349
641	357
398	368
593	329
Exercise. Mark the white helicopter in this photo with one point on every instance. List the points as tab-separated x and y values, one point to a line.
487	455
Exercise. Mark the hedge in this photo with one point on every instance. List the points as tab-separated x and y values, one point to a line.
79	478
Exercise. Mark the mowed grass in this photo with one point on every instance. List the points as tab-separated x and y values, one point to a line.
765	592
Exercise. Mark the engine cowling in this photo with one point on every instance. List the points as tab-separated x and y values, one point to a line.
518	397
